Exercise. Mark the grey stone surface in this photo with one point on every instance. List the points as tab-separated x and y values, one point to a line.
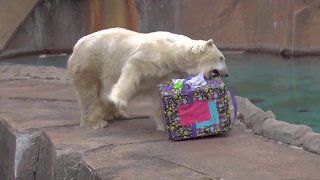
270	128
311	142
70	165
86	173
264	123
133	149
284	132
294	132
34	157
7	150
67	166
251	115
46	158
27	152
38	160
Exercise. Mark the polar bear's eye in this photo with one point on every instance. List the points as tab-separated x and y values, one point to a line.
221	58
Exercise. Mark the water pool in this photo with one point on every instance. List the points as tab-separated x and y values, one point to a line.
288	87
59	60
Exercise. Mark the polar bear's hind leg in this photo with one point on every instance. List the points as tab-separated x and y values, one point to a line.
92	110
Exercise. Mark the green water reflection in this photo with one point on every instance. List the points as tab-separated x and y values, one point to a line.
43	60
290	88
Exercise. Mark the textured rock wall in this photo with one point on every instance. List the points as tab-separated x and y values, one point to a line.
12	14
56	25
7	150
270	25
284	26
51	25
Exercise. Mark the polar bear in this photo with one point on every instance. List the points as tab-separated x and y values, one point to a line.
109	67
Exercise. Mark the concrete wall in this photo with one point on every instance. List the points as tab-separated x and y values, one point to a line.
284	26
54	26
11	21
276	26
51	25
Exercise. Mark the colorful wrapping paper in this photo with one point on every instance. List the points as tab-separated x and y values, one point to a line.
195	107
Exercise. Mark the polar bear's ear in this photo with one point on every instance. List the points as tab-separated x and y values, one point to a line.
200	48
206	45
209	43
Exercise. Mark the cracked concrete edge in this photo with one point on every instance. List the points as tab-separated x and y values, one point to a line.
26	154
202	175
38	157
7	150
72	166
265	124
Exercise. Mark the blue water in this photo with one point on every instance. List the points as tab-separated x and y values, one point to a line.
288	87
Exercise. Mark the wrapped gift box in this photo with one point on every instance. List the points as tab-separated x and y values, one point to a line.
195	107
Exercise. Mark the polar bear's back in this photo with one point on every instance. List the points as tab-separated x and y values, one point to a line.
123	38
120	43
108	50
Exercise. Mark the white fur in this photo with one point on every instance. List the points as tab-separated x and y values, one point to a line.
111	66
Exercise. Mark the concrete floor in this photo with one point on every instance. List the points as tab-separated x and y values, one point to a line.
133	149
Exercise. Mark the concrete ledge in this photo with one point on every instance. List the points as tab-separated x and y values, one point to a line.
30	154
284	132
7	149
311	142
251	115
265	124
40	138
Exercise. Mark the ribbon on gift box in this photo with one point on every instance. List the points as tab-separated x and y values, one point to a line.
234	104
187	85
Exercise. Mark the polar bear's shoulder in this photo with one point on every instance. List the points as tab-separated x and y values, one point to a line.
168	37
116	30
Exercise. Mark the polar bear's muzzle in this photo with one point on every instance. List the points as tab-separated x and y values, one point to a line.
215	73
223	72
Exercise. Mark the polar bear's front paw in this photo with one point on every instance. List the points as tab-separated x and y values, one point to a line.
119	103
120	116
159	123
99	124
160	128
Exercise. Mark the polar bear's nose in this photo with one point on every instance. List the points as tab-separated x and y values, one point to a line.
223	72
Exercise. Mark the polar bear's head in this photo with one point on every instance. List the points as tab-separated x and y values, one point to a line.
209	59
